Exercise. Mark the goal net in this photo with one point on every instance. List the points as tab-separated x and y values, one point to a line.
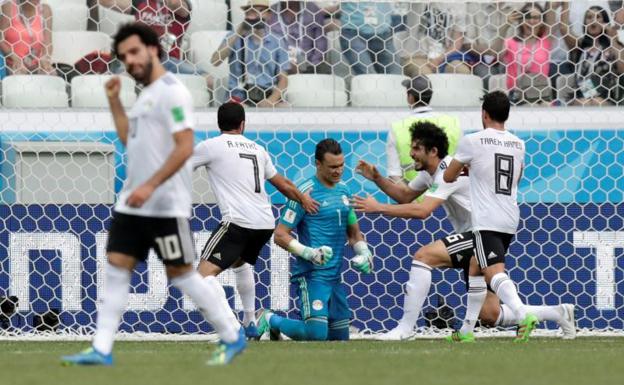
61	163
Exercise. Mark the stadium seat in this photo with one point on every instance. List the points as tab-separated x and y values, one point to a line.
87	91
497	83
456	90
34	91
68	47
111	20
208	15
197	86
378	91
69	15
308	90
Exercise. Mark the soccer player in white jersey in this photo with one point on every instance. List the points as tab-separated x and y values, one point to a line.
153	208
237	168
496	159
429	144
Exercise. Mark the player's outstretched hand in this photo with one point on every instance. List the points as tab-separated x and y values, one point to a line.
113	87
318	256
141	194
367	170
363	263
309	205
365	205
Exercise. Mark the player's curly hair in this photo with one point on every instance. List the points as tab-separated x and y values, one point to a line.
148	36
429	136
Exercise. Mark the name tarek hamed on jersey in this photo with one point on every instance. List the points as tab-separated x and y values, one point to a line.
501	143
241	145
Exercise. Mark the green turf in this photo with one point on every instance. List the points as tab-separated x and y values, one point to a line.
585	361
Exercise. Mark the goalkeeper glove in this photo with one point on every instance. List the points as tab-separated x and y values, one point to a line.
318	256
363	260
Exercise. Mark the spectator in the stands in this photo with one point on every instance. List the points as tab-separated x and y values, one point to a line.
301	24
526	55
170	19
366	38
598	57
258	59
26	37
437	41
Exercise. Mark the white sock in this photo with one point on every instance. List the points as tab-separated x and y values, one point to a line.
506	291
113	302
416	291
246	287
477	291
207	298
506	317
546	313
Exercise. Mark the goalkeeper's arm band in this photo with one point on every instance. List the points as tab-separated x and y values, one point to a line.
296	248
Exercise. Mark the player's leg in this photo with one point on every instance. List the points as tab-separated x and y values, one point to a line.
313	304
433	255
477	292
126	244
339	316
490	250
173	243
245	282
495	314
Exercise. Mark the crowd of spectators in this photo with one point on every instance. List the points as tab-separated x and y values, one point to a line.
530	44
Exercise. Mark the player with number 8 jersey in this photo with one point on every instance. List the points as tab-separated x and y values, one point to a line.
495	157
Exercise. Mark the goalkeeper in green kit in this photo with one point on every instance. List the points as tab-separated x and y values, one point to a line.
322	300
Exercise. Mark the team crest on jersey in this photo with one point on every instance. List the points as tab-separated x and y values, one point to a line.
317	304
345	200
289	216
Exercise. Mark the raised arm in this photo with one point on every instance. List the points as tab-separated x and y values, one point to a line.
113	87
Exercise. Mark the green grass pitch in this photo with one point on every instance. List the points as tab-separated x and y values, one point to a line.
584	361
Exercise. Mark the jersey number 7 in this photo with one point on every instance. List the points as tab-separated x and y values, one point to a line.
254	160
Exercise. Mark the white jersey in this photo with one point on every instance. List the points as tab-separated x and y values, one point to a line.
456	195
496	159
163	108
237	168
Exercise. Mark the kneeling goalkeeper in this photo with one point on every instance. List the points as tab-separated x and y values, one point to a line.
317	271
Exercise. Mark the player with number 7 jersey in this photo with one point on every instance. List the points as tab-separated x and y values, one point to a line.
237	169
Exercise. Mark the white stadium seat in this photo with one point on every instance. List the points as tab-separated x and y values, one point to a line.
378	91
208	15
309	90
110	20
34	91
456	90
87	91
68	47
69	16
196	85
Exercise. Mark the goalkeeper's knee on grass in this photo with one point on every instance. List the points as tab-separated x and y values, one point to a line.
316	329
